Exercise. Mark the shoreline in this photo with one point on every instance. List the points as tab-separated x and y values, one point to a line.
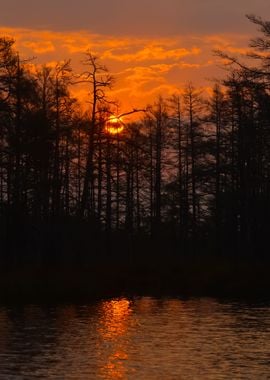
191	278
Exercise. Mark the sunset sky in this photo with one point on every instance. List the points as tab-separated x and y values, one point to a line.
152	47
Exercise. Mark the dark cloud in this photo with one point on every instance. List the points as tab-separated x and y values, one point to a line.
140	17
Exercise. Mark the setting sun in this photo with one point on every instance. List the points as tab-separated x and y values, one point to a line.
114	125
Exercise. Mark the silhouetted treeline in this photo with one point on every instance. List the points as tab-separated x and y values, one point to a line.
192	174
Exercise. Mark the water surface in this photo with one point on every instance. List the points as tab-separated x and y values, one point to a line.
136	339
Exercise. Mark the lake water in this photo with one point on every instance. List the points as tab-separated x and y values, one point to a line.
140	338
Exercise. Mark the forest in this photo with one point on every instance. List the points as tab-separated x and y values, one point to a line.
190	176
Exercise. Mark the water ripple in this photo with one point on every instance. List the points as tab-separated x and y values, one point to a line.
142	338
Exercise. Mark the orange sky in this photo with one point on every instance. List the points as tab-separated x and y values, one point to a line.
143	67
152	47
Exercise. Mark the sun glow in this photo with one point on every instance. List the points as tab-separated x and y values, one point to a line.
114	125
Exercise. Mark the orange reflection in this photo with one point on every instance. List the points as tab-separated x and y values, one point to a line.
114	318
113	329
115	367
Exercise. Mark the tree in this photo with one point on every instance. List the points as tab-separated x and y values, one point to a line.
99	80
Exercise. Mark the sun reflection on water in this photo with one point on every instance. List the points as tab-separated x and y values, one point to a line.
113	330
136	339
113	319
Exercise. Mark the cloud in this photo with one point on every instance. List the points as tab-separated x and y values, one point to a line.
140	17
143	67
150	52
41	47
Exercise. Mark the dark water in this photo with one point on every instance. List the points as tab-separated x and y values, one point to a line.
136	339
